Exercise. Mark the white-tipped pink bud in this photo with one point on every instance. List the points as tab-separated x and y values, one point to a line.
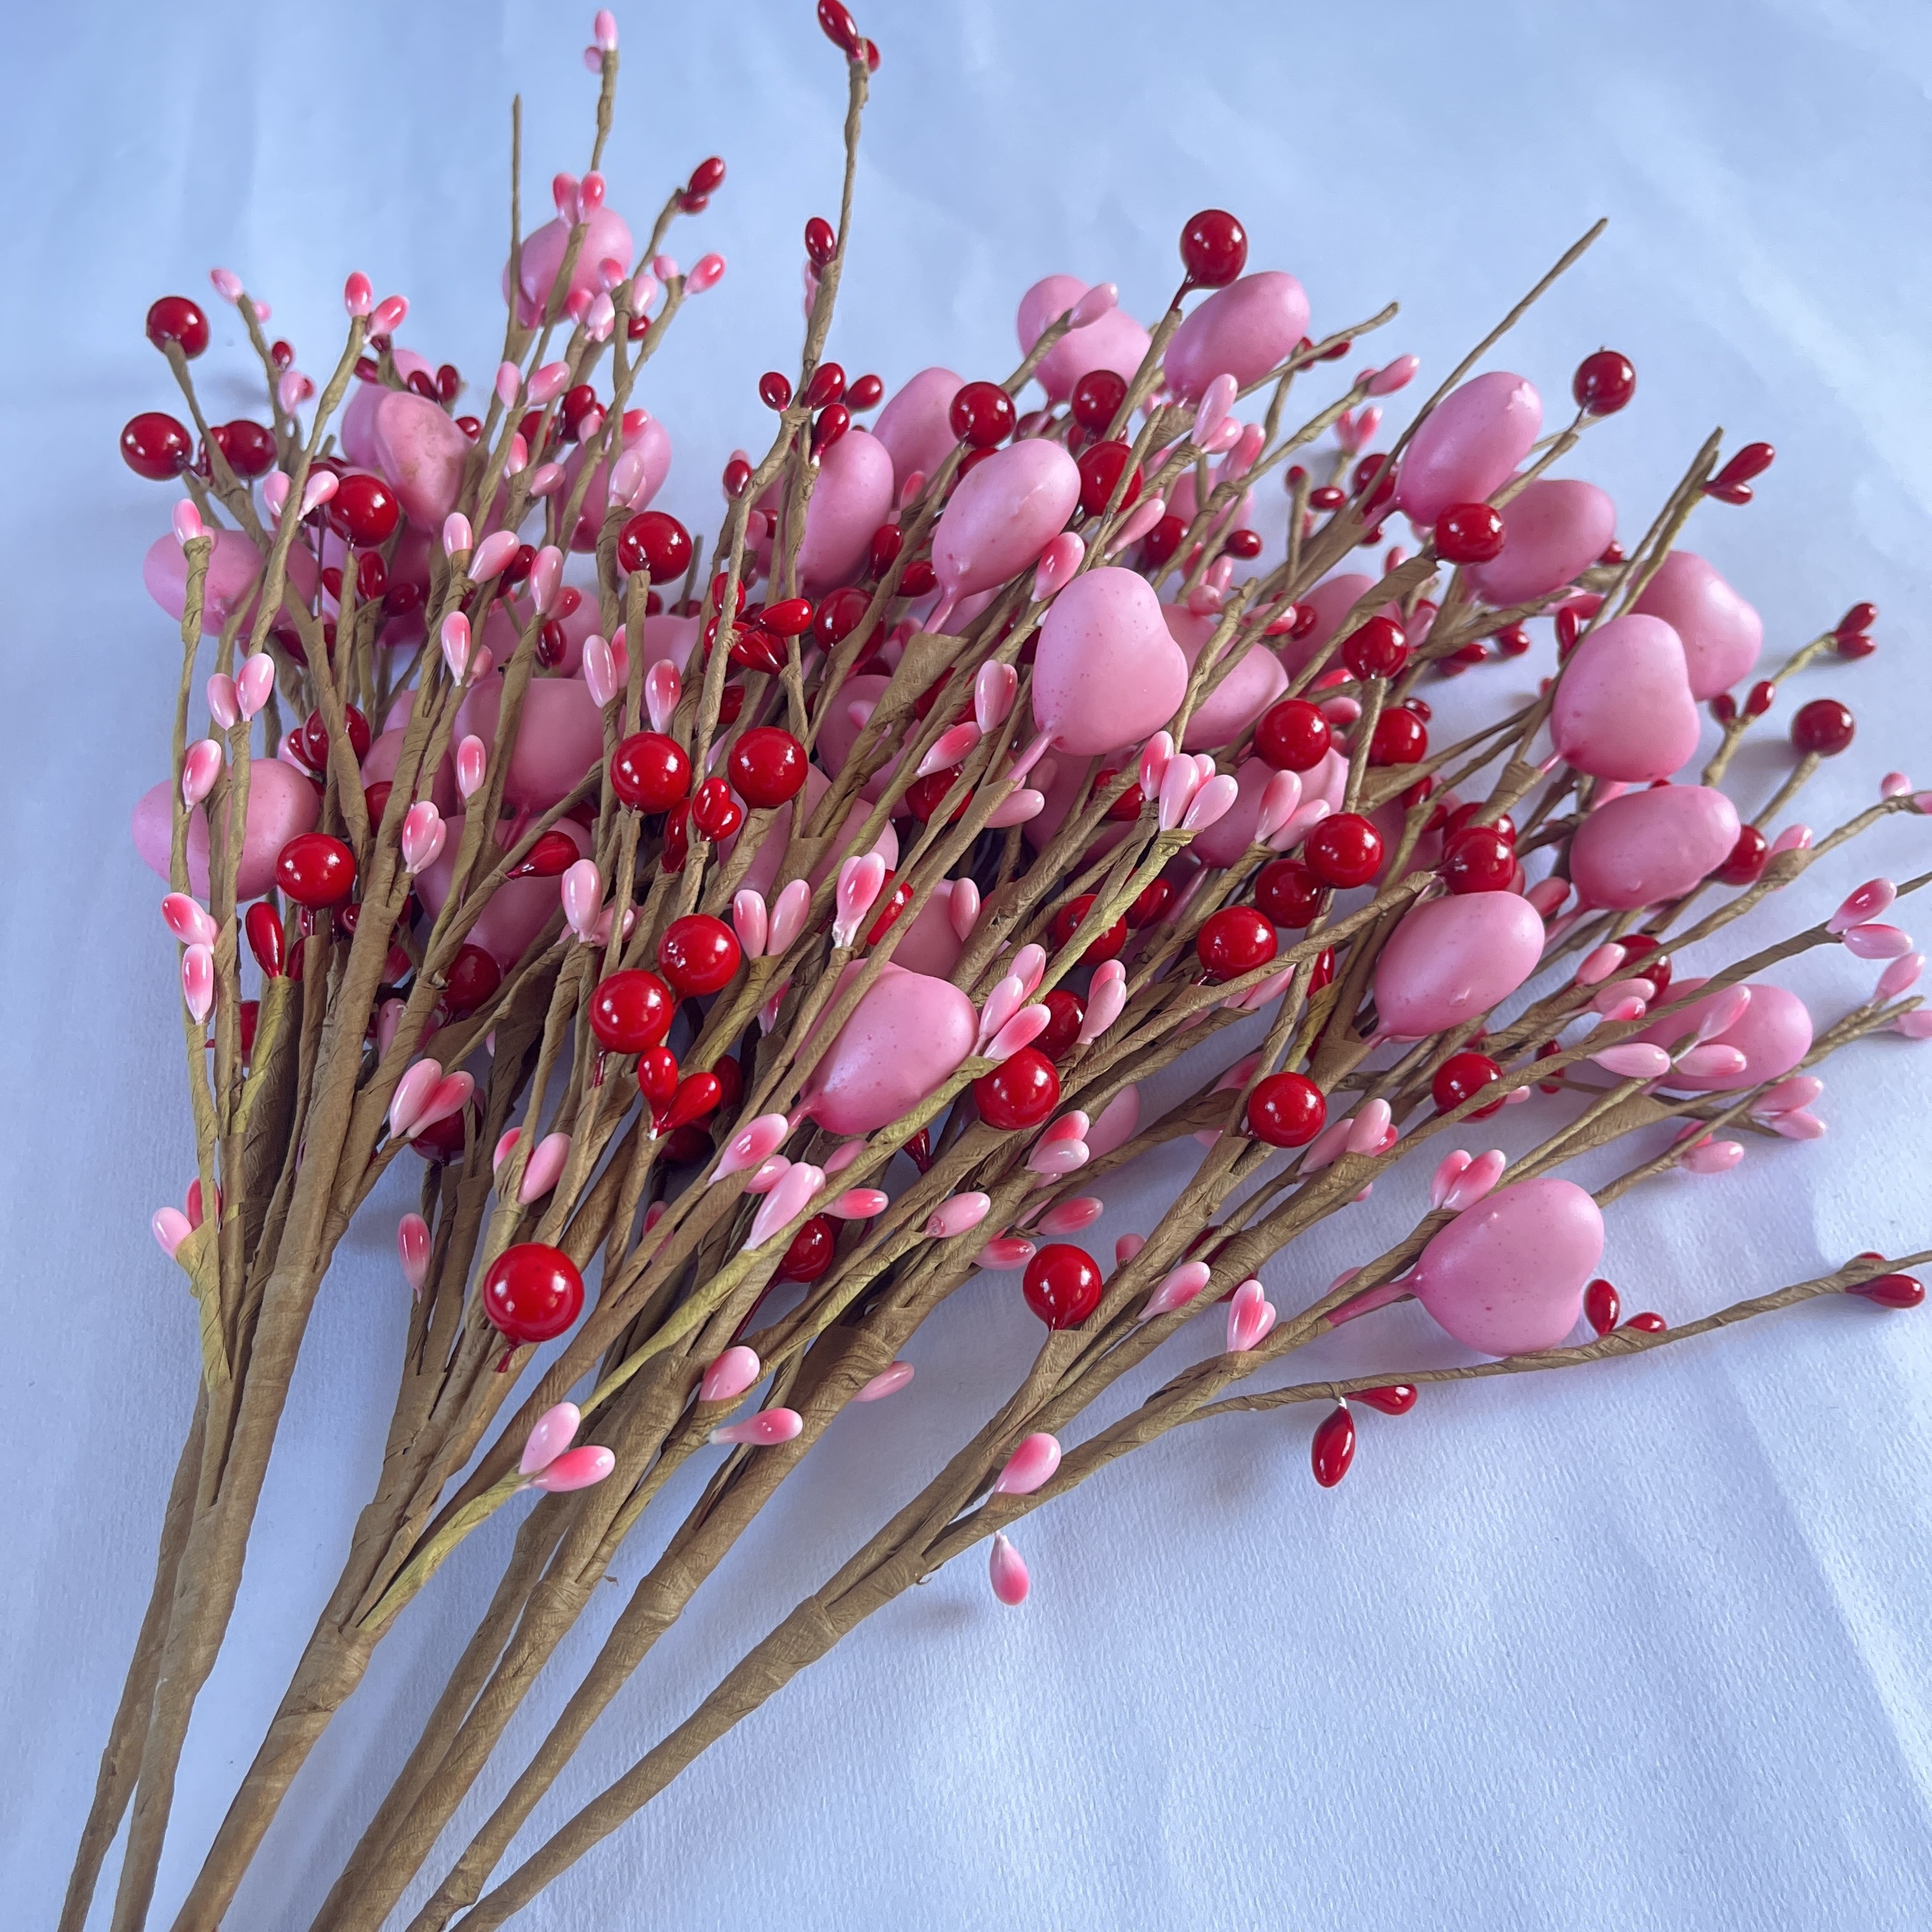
859	881
603	30
1180	1287
1710	1157
292	390
1917	1024
1068	1217
600	672
1002	1003
1059	564
1018	807
1633	1060
1216	400
1328	1146
665	267
455	637
450	1095
1796	1124
1371	1128
1901	977
188	523
789	912
389	1019
590	194
544	1168
227	283
1155	756
275	492
750	921
1101	299
548	383
583	889
490	556
546	578
1598	966
509	384
1793	838
859	1204
472	766
1007	1570
1147	512
1179	783
171	1228
760	1431
1893	784
948	748
517	458
575	1469
424	832
1251	1318
1869	941
663	688
506	1145
1029	1467
1547	895
413	1250
224	705
1281	797
545	481
1713	1059
707	273
767	1174
254	684
752	1145
1476	1180
187	920
553	1433
734	1372
962	908
628	476
1025	1027
1800	1090
320	489
456	534
387	315
887	1381
1398	375
1004	1253
201	765
412	1092
1873	897
994	687
1210	804
358	297
1724	1013
1450	1170
1106	999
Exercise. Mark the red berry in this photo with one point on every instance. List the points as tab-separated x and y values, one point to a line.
1343	849
1512	640
315	870
839	615
153	444
1097	398
1214	248
714	810
649	771
1333	1447
821	244
812	1250
1154	899
1394	1398
1062	1285
1286	1110
1824	726
1461	815
1234	941
1604	382
175	319
266	938
836	22
774	390
1478	860
863	393
655	541
1324	974
1648	1323
707	177
1292	736
315	736
631	1011
1602	1305
1020	1092
1761	696
1163	540
1751	461
1892	1291
1748	858
1062	1032
767	766
698	954
1100	468
895	895
981	415
1469	533
1459	1076
1067	919
790	617
473	976
1378	649
1400	738
917	578
532	1292
1288	892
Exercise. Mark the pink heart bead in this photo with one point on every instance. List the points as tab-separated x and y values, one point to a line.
607	236
1507	1276
1255	681
1108	673
1243	330
422	452
234	574
1469	447
1774	1034
1651	845
1721	634
915	427
1623	707
1004	514
851	498
904	1037
1453	958
281	803
1555	526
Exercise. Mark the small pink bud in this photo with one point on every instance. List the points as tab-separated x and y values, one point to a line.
254	684
1633	1060
456	534
1106	999
545	481
1475	1181
387	316
1713	1060
887	1381
1007	1569
1025	1026
600	672
1281	798
1710	1157
544	1168
706	272
575	1469
320	489
1068	1217
1251	1317
1893	784
751	1145
1398	375
1793	838
1216	400
358	297
188	920
767	1174
224	708
227	283
1873	897
994	687
171	1228
197	978
1917	1024
472	766
413	1250
1724	1014
1800	1090
962	908
200	767
665	267
948	748
859	881
546	578
1869	941
1180	1287
1155	756
1370	1129
583	889
735	1371
749	919
1901	976
958	1214
1599	965
1453	1164
412	1091
761	1431
1795	1124
1100	300
1004	1253
1002	1003
1059	563
424	832
859	1204
1017	807
455	639
451	1093
553	1433
789	912
1127	1247
1029	1467
1211	803
292	390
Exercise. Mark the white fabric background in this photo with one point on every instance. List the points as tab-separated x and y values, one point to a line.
1645	1646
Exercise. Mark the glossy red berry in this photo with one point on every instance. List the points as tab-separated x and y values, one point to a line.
1292	736
1512	640
1392	1399
1604	382
839	615
821	244
982	415
1647	1323
1748	858
473	977
655	541
836	24
827	386
707	177
631	1011
1062	1030
649	771
1378	649
1286	1110
153	444
1459	1077
1460	816
864	392
1096	399
1478	859
1399	738
1154	899
714	810
1892	1291
812	1251
1469	533
175	319
1244	543
1163	540
266	940
1333	1447
1824	727
315	870
1288	892
1062	1285
1602	1306
1066	920
1021	1092
1214	248
1234	941
1343	849
1100	468
698	954
1749	463
774	390
767	766
1761	696
532	1292
790	617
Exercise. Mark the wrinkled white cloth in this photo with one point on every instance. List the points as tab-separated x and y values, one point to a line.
1645	1646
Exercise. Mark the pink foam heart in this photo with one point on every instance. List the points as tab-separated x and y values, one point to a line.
1555	527
359	416
234	573
281	803
559	736
421	451
1113	341
851	498
903	1038
915	427
1651	845
1108	674
607	235
1774	1034
1004	514
1507	1276
1453	958
1468	447
1721	634
1244	330
1623	707
1245	691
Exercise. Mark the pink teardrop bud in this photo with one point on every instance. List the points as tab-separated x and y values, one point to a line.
171	1228
582	890
887	1381
188	921
1476	1180
224	708
1106	1000
1251	1318
575	1469
412	1091
600	672
197	978
1869	941
761	1431
1901	976
1211	803
254	683
1008	1570
451	1094
544	1168
1710	1157
1068	1217
1059	564
546	578
859	881
387	316
1029	1467
1448	1171
1004	1253
552	1434
1180	1287
751	1145
962	908
749	920
994	687
1633	1060
200	767
663	688
472	766
424	832
789	912
490	556
706	272
859	1204
1211	412
358	297
455	640
1101	299
727	1378
1873	897
957	1215
412	1250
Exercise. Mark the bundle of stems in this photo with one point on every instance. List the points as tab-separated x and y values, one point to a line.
307	1096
